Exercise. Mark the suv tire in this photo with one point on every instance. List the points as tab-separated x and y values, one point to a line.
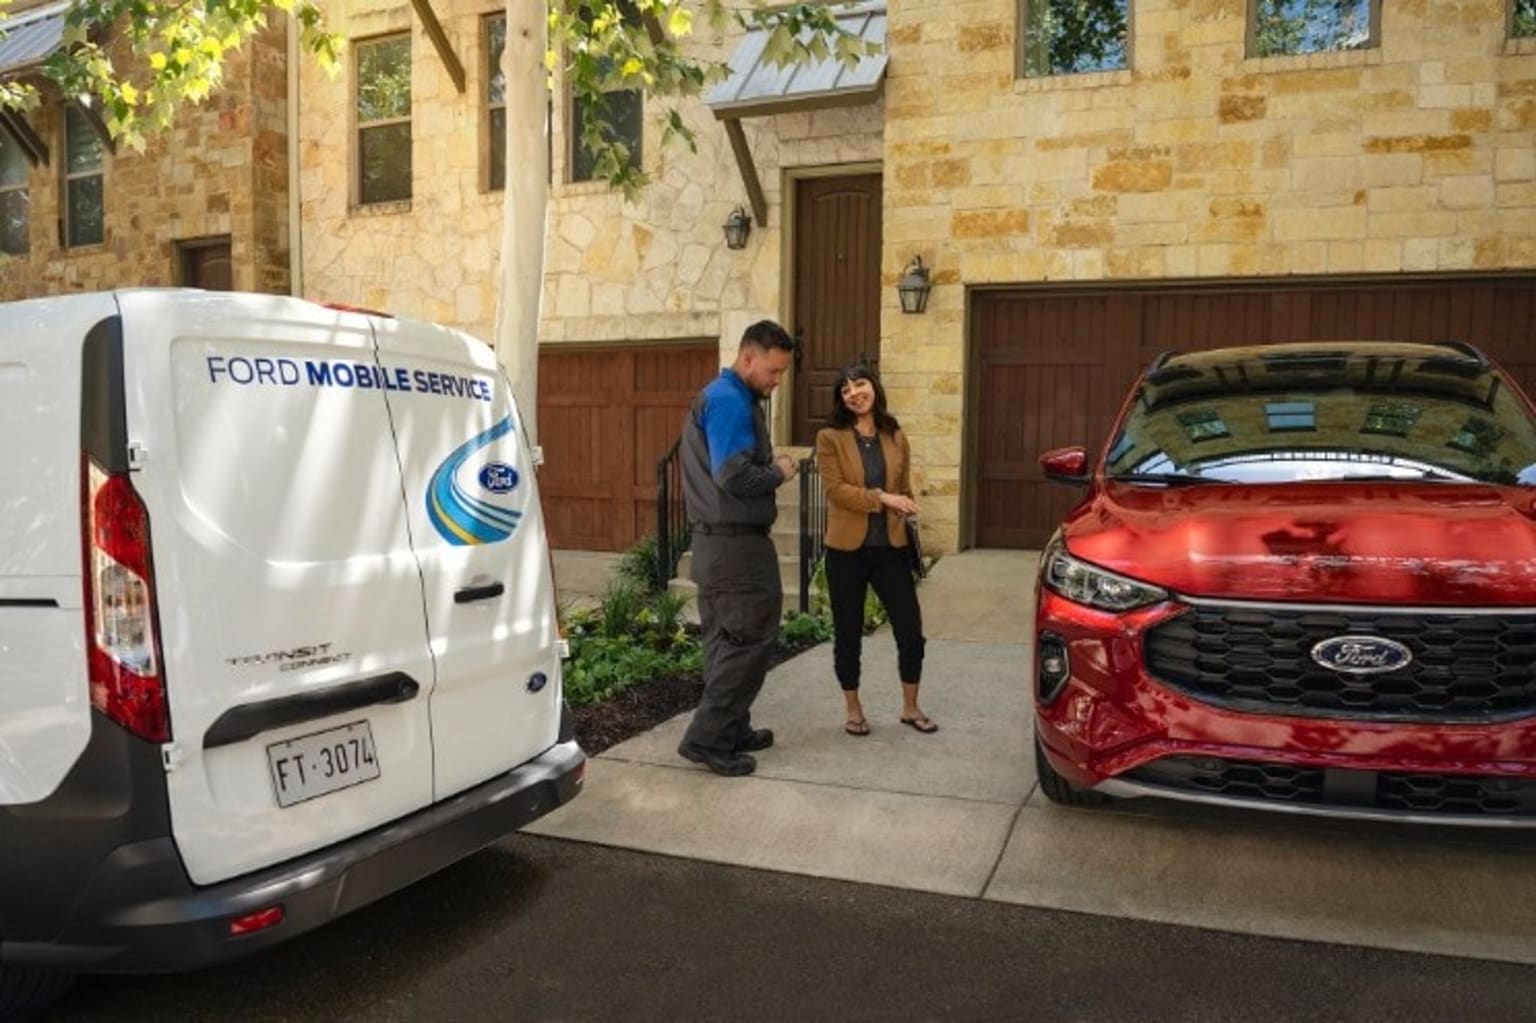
24	992
1058	790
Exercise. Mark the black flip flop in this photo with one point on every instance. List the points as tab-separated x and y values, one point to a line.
918	723
857	728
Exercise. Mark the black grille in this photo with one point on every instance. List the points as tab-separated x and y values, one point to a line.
1338	788
1464	668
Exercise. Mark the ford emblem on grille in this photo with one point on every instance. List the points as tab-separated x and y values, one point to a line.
1361	655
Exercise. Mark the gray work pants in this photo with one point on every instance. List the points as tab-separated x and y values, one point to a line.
740	602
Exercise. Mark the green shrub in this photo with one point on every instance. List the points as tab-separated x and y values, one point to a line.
638	565
801	628
602	666
621	606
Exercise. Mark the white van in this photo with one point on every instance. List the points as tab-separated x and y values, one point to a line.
277	625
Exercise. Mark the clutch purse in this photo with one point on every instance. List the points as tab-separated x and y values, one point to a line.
914	547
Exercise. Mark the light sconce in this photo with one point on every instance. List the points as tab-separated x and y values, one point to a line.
737	227
914	286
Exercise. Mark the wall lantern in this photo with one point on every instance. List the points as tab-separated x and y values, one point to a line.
737	226
914	286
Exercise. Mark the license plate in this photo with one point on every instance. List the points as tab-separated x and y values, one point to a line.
321	763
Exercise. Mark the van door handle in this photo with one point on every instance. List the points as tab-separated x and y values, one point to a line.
470	594
248	720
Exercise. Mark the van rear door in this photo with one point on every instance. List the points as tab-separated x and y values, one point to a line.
478	533
296	660
45	706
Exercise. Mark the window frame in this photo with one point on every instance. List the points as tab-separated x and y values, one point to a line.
489	107
359	126
1510	22
25	189
573	151
1251	34
1021	70
67	177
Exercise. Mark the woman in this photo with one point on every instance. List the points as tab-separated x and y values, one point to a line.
865	467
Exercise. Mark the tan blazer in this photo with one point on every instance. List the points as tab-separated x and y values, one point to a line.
849	502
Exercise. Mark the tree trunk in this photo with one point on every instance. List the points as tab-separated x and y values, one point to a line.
526	198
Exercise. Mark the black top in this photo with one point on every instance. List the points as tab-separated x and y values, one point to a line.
874	477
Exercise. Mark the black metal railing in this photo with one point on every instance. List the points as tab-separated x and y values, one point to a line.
672	532
813	528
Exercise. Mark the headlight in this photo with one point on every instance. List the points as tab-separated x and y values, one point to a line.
1086	583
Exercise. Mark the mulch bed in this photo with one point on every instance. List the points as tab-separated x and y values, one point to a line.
644	705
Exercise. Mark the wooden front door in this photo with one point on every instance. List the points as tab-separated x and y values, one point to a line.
837	289
208	264
1053	368
606	417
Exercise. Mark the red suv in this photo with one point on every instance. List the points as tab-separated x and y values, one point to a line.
1303	579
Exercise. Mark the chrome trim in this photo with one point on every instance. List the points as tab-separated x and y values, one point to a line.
1350	608
1136	790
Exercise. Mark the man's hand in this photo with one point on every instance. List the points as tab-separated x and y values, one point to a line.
787	466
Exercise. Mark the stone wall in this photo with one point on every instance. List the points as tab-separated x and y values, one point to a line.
656	269
220	169
1418	156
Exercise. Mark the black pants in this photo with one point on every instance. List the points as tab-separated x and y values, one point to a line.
740	602
849	573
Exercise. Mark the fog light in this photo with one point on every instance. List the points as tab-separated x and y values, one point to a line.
1052	668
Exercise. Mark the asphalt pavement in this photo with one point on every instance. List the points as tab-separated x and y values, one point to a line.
545	929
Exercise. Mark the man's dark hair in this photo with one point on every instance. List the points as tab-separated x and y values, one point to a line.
767	334
843	417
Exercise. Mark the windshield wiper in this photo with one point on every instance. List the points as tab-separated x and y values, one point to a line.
1170	479
1428	475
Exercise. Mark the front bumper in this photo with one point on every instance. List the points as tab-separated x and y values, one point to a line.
1115	728
140	913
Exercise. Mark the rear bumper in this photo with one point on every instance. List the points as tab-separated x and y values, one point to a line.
140	913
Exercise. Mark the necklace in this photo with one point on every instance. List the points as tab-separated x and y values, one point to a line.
867	442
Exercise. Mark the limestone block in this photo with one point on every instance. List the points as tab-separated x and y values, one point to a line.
1473	192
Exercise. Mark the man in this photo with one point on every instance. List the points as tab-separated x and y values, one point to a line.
730	474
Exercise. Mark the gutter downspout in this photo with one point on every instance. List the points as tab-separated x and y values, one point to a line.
295	235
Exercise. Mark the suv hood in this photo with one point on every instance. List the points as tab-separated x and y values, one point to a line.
1430	544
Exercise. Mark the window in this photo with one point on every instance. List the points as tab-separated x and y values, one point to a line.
1203	424
384	120
15	198
1285	27
84	201
1477	437
1522	18
1390	417
495	102
1066	37
617	116
1291	415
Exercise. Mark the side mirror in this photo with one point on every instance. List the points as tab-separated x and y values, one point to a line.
1066	465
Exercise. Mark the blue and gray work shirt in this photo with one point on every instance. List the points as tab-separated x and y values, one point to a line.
727	460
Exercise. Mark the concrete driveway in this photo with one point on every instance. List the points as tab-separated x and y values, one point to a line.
959	812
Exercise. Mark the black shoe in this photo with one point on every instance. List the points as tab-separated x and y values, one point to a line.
731	765
760	738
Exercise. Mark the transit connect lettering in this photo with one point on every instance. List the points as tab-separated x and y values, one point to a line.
367	376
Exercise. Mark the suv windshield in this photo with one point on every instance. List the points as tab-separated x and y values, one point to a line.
1287	413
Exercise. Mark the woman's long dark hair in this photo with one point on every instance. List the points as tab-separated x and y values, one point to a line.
843	417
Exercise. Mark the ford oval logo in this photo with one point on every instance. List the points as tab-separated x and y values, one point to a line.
1361	655
498	477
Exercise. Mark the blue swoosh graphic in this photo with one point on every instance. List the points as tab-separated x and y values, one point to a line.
458	516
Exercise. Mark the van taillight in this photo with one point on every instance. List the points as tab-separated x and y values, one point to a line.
121	647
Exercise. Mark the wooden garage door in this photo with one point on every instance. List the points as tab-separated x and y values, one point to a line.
1053	367
606	416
